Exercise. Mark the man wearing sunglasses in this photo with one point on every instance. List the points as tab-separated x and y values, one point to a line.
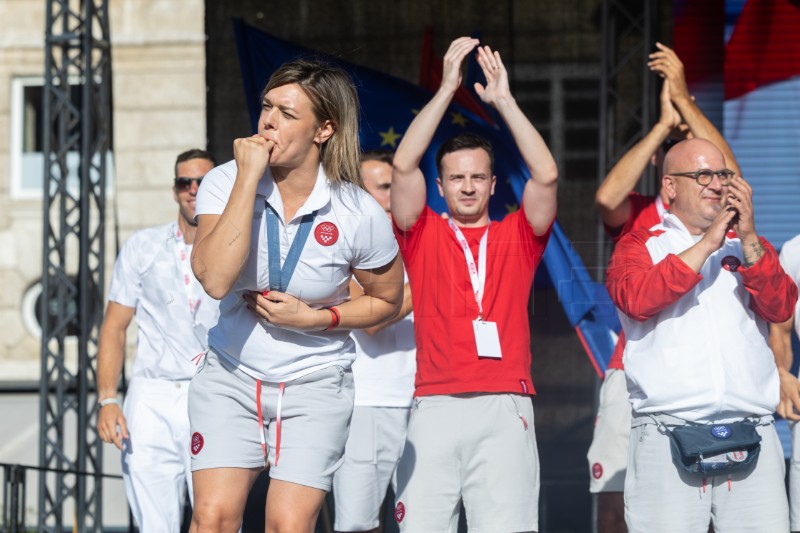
153	279
695	294
622	210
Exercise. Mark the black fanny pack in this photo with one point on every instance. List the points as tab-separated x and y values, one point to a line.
715	448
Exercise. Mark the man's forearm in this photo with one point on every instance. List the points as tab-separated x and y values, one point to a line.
624	176
780	341
110	358
531	145
752	250
420	132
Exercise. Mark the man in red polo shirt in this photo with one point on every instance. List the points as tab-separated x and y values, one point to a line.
471	434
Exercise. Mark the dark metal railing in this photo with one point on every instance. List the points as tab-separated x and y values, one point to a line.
14	489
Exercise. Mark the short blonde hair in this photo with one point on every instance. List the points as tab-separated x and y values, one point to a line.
333	97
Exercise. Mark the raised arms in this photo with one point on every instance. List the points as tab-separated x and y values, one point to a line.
668	65
408	182
539	195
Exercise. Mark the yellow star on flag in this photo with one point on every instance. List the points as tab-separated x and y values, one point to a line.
389	137
459	119
511	208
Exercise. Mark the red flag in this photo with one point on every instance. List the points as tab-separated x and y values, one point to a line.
764	47
698	36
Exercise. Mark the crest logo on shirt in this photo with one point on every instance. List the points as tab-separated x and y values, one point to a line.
399	512
731	263
597	470
197	443
326	233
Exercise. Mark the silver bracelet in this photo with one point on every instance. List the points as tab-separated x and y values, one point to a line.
108	401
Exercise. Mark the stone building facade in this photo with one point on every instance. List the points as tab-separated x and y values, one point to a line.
159	110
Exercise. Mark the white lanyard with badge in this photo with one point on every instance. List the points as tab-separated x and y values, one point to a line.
487	339
200	331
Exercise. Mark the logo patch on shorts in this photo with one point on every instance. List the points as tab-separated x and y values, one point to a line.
597	470
197	443
731	263
737	456
721	432
326	233
399	512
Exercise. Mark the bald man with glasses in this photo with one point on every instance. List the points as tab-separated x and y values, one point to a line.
695	294
623	210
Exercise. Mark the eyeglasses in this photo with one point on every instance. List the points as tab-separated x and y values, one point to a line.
184	184
706	176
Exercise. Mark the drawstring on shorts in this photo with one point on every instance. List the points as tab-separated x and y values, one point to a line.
261	430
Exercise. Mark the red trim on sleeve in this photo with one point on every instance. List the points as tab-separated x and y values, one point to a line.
773	292
637	286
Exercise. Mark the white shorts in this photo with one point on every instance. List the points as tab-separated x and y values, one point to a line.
155	459
608	454
376	440
794	479
477	447
661	497
308	448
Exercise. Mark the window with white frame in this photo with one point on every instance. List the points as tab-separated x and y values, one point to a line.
27	140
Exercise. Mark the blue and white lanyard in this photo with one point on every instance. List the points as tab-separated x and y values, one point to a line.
279	277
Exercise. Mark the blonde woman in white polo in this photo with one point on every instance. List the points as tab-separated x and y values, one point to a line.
281	230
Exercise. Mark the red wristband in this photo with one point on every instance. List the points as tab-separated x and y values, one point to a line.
335	318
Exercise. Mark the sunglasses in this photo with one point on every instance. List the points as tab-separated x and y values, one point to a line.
184	184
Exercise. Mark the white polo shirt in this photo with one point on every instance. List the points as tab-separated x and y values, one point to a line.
350	231
153	275
385	365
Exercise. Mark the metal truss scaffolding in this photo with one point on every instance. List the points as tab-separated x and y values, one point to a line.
628	98
77	128
628	91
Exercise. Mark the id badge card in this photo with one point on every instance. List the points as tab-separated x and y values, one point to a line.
487	339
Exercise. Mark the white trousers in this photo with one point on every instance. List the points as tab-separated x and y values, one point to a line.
155	460
661	497
794	479
374	445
